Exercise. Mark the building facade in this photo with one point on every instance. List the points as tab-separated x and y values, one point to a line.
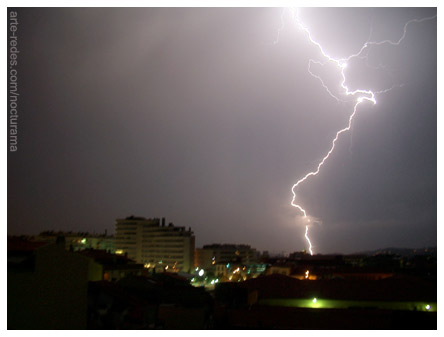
47	286
221	253
156	245
203	258
77	241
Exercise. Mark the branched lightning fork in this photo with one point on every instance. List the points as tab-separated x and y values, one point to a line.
362	94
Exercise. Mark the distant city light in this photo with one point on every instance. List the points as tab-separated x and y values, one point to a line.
201	272
83	241
427	307
315	300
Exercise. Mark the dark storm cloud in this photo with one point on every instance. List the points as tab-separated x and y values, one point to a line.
194	114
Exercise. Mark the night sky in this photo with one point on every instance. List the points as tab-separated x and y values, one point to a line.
197	115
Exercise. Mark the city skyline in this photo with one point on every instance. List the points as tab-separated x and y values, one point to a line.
199	116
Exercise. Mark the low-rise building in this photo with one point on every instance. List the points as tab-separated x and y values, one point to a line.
114	267
215	253
47	285
203	258
76	241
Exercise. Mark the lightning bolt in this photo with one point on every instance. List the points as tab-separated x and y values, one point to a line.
359	96
306	237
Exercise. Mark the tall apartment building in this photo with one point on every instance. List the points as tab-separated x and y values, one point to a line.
156	245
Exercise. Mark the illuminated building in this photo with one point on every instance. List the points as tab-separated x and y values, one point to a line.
203	258
113	267
156	245
215	253
77	241
279	269
221	269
